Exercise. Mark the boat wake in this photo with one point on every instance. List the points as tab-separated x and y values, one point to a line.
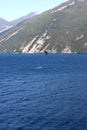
39	67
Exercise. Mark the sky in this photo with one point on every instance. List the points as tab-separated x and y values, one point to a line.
13	9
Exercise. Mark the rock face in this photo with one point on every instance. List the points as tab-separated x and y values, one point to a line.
60	30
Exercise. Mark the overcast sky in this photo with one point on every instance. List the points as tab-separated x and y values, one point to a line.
13	9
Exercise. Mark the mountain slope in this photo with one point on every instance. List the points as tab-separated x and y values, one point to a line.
4	25
59	30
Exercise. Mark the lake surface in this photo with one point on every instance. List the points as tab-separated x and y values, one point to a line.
39	92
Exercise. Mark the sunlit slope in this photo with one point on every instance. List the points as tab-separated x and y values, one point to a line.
59	30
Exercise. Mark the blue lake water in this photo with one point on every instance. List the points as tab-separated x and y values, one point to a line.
39	92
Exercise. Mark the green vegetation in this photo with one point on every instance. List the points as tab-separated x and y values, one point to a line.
67	27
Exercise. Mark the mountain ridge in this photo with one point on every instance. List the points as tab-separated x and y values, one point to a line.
5	25
21	19
62	29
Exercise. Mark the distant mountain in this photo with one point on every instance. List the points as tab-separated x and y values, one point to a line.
4	25
62	29
21	19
